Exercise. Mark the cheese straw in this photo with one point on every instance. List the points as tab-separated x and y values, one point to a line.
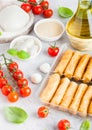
60	91
81	67
88	73
72	65
63	61
85	102
68	96
50	88
90	109
77	98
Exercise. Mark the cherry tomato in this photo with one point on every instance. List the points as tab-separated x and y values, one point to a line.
44	4
25	91
43	112
13	96
6	90
1	73
18	75
53	51
63	125
3	82
26	7
47	13
32	1
37	10
22	82
13	66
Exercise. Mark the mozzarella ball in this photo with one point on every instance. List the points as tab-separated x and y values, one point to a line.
11	21
36	78
45	68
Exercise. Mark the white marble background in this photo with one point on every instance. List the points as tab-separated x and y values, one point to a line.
32	103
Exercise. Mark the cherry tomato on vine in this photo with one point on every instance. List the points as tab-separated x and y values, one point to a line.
25	91
22	82
13	66
6	89
47	13
3	82
32	1
26	7
63	124
37	10
1	73
18	75
13	96
44	4
53	51
43	112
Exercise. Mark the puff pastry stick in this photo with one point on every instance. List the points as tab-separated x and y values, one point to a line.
81	66
90	109
64	61
50	88
88	73
69	94
72	65
85	102
77	98
60	91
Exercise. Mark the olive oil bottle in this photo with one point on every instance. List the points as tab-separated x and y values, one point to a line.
79	27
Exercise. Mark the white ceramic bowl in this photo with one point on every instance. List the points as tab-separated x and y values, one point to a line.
49	29
26	37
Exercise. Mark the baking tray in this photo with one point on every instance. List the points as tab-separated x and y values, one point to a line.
64	47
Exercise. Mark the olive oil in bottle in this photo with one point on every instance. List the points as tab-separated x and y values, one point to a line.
80	25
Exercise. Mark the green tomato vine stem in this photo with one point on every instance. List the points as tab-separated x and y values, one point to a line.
26	1
6	64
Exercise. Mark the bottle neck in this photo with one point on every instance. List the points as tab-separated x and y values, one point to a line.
85	4
85	1
84	8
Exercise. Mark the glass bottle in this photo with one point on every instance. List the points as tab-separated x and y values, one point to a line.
79	27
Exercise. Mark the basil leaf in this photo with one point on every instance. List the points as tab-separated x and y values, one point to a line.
12	52
0	33
23	54
85	125
15	114
65	12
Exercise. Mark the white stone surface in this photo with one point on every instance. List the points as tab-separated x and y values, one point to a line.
32	103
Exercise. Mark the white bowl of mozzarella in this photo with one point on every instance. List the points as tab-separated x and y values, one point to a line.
27	43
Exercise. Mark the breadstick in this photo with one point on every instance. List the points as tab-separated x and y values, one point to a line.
60	91
50	88
72	65
64	61
88	73
90	109
85	102
77	98
81	66
68	96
